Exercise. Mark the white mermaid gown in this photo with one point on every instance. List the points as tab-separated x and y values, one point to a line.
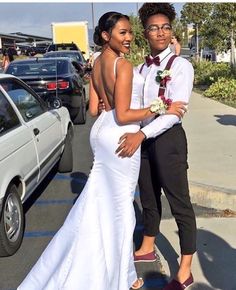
93	250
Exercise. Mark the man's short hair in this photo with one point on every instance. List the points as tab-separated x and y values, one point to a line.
149	9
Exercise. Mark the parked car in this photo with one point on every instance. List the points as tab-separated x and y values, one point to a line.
62	46
51	77
33	50
76	57
33	139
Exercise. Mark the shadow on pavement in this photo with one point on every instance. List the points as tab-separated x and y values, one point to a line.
78	181
217	259
226	119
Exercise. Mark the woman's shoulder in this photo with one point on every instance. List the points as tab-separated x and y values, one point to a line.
123	63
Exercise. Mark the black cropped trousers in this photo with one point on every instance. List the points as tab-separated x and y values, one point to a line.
164	167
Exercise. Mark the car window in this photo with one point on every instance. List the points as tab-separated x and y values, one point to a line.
8	117
28	105
35	68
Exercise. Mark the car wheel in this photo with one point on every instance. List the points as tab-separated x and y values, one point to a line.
11	223
80	118
66	161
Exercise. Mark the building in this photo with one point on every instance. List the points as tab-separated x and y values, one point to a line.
18	39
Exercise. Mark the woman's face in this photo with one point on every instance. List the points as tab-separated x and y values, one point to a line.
121	37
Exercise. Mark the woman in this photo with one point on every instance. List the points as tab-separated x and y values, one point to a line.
94	247
175	45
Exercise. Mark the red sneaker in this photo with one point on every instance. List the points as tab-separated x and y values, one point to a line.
150	257
176	285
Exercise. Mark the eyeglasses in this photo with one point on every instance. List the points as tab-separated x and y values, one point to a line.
154	28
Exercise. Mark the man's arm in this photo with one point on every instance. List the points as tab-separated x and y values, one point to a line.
179	89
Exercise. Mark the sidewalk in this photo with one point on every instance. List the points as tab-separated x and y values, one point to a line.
211	132
214	264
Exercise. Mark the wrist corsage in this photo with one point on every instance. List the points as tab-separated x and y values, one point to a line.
160	105
163	77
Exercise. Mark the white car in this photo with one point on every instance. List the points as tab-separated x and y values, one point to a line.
34	136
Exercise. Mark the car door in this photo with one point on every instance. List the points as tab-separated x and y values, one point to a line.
15	144
44	124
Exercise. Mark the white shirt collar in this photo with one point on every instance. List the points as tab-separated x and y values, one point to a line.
164	53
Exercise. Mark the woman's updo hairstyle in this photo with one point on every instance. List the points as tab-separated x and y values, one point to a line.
106	23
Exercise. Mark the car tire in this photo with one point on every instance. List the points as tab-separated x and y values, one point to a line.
80	118
65	163
11	223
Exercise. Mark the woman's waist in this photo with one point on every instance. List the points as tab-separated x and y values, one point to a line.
108	119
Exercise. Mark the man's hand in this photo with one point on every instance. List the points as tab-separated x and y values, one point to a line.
129	143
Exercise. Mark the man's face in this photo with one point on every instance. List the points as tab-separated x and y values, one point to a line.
158	33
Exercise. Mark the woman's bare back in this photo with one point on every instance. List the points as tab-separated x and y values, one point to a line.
103	78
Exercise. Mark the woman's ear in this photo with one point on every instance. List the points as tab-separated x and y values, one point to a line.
105	36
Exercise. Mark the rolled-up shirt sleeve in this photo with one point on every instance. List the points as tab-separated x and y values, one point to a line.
179	88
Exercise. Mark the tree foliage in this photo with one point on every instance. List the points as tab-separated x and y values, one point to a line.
195	13
217	30
139	46
215	22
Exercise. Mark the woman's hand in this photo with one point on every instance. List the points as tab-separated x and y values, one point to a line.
101	106
177	108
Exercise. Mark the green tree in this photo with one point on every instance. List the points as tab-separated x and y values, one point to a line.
139	46
196	14
219	31
180	30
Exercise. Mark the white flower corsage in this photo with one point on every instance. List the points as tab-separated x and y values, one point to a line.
160	105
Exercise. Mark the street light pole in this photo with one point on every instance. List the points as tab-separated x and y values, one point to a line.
93	23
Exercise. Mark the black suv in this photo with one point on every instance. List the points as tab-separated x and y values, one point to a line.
50	77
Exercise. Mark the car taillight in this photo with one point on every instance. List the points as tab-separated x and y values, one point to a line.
51	86
61	85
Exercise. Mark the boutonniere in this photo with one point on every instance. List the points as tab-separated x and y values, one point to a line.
163	77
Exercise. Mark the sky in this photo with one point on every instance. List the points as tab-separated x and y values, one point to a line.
36	18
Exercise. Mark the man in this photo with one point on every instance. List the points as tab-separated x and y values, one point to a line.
164	148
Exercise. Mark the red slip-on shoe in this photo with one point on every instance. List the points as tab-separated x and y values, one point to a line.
176	285
150	257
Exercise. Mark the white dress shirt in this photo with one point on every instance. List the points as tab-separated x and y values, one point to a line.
179	88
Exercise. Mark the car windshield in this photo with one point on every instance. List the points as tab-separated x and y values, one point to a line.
34	68
71	55
62	46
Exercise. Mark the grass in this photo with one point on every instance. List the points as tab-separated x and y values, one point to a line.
200	90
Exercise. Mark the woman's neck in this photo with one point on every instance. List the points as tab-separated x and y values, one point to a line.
109	51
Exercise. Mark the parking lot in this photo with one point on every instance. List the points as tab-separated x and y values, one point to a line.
46	211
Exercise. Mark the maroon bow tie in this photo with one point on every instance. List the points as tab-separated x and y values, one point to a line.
150	60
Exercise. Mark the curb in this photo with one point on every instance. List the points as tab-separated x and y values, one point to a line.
212	196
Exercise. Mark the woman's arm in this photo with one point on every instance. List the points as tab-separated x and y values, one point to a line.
93	99
123	91
177	48
122	95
